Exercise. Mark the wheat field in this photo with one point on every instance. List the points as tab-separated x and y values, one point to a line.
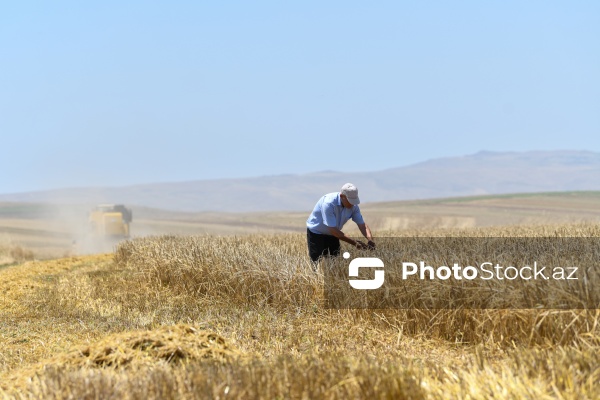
243	318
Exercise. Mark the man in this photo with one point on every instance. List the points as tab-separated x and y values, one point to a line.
324	225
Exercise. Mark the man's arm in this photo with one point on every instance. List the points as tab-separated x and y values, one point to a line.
340	235
364	229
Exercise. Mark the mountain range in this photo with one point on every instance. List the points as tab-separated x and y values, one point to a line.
477	174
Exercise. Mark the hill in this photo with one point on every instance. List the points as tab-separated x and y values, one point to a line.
478	174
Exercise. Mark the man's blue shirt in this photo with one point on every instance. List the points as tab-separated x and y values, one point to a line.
331	213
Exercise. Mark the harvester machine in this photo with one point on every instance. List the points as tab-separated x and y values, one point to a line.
110	221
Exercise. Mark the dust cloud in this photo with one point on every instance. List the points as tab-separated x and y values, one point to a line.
49	231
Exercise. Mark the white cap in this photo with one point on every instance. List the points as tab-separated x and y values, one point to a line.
351	193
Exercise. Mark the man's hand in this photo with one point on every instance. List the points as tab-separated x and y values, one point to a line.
361	245
371	245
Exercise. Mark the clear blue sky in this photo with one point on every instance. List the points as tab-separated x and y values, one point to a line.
117	93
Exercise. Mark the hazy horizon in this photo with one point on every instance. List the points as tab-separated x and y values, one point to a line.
477	174
283	174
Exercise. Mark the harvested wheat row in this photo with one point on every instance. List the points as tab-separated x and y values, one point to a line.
171	344
176	345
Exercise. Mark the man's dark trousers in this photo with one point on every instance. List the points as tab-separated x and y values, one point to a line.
322	245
